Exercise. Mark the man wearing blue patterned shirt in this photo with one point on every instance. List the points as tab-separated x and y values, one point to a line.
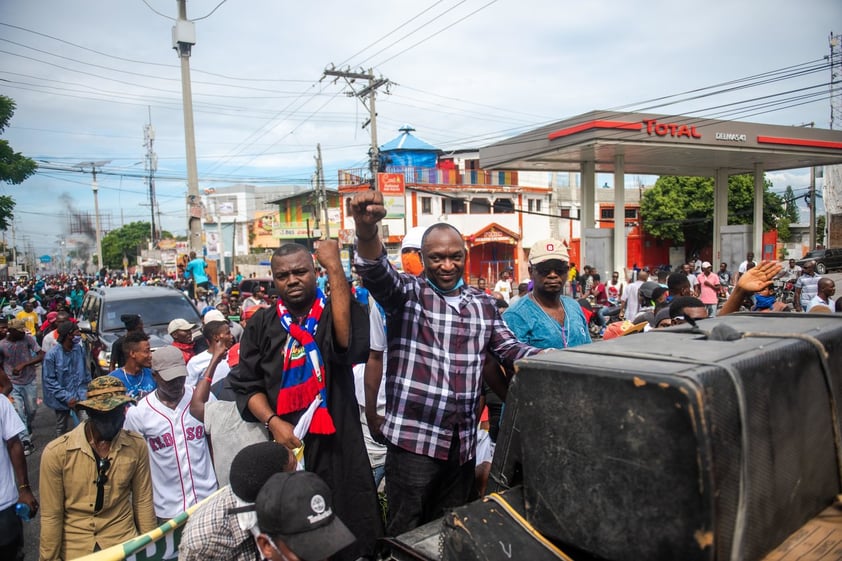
544	318
440	332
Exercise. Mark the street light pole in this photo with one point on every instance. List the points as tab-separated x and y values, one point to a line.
95	188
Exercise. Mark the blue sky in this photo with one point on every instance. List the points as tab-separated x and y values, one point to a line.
87	74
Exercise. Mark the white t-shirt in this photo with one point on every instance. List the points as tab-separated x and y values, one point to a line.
198	364
12	426
504	287
179	457
630	297
50	341
377	342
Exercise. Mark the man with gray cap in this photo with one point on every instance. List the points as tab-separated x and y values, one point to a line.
95	486
222	527
180	460
296	519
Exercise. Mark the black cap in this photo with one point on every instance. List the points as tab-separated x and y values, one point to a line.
647	289
298	508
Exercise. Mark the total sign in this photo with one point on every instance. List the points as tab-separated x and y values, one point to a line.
671	129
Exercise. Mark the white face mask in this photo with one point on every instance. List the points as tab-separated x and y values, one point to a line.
275	547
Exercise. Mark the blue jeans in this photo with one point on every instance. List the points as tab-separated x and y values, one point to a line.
25	396
379	473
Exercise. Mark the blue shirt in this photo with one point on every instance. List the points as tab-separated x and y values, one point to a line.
196	270
137	385
531	324
65	376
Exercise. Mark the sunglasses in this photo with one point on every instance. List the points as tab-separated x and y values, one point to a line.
545	270
102	466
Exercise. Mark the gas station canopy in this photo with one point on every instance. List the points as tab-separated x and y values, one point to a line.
650	144
664	145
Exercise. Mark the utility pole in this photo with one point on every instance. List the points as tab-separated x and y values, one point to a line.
14	247
184	37
151	168
368	94
812	208
320	185
95	189
833	174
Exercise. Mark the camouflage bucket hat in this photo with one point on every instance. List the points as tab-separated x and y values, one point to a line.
105	394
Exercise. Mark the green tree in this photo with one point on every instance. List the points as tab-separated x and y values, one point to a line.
821	226
791	212
681	208
14	167
784	233
126	241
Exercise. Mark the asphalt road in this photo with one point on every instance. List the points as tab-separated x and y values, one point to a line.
43	430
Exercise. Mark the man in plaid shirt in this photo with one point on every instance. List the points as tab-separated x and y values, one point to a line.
439	332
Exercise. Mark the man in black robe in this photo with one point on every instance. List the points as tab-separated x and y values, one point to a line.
341	335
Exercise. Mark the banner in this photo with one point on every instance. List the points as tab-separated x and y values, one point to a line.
160	544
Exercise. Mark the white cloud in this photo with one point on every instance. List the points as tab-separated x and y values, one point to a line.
504	68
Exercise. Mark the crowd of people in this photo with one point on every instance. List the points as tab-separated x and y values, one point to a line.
320	417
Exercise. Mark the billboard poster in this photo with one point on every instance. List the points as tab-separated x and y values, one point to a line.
394	194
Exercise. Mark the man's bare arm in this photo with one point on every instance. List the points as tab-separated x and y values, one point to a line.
327	253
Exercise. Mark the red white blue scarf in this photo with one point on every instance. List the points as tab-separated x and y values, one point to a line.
304	371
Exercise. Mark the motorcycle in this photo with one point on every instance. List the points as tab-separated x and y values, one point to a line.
592	312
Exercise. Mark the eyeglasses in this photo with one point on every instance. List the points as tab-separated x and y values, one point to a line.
102	466
545	270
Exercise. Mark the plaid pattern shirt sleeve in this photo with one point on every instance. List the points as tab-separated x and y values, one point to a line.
436	352
212	533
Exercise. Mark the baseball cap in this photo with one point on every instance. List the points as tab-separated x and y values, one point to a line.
179	324
705	264
105	393
17	324
168	362
548	249
412	239
647	290
214	315
297	507
658	292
